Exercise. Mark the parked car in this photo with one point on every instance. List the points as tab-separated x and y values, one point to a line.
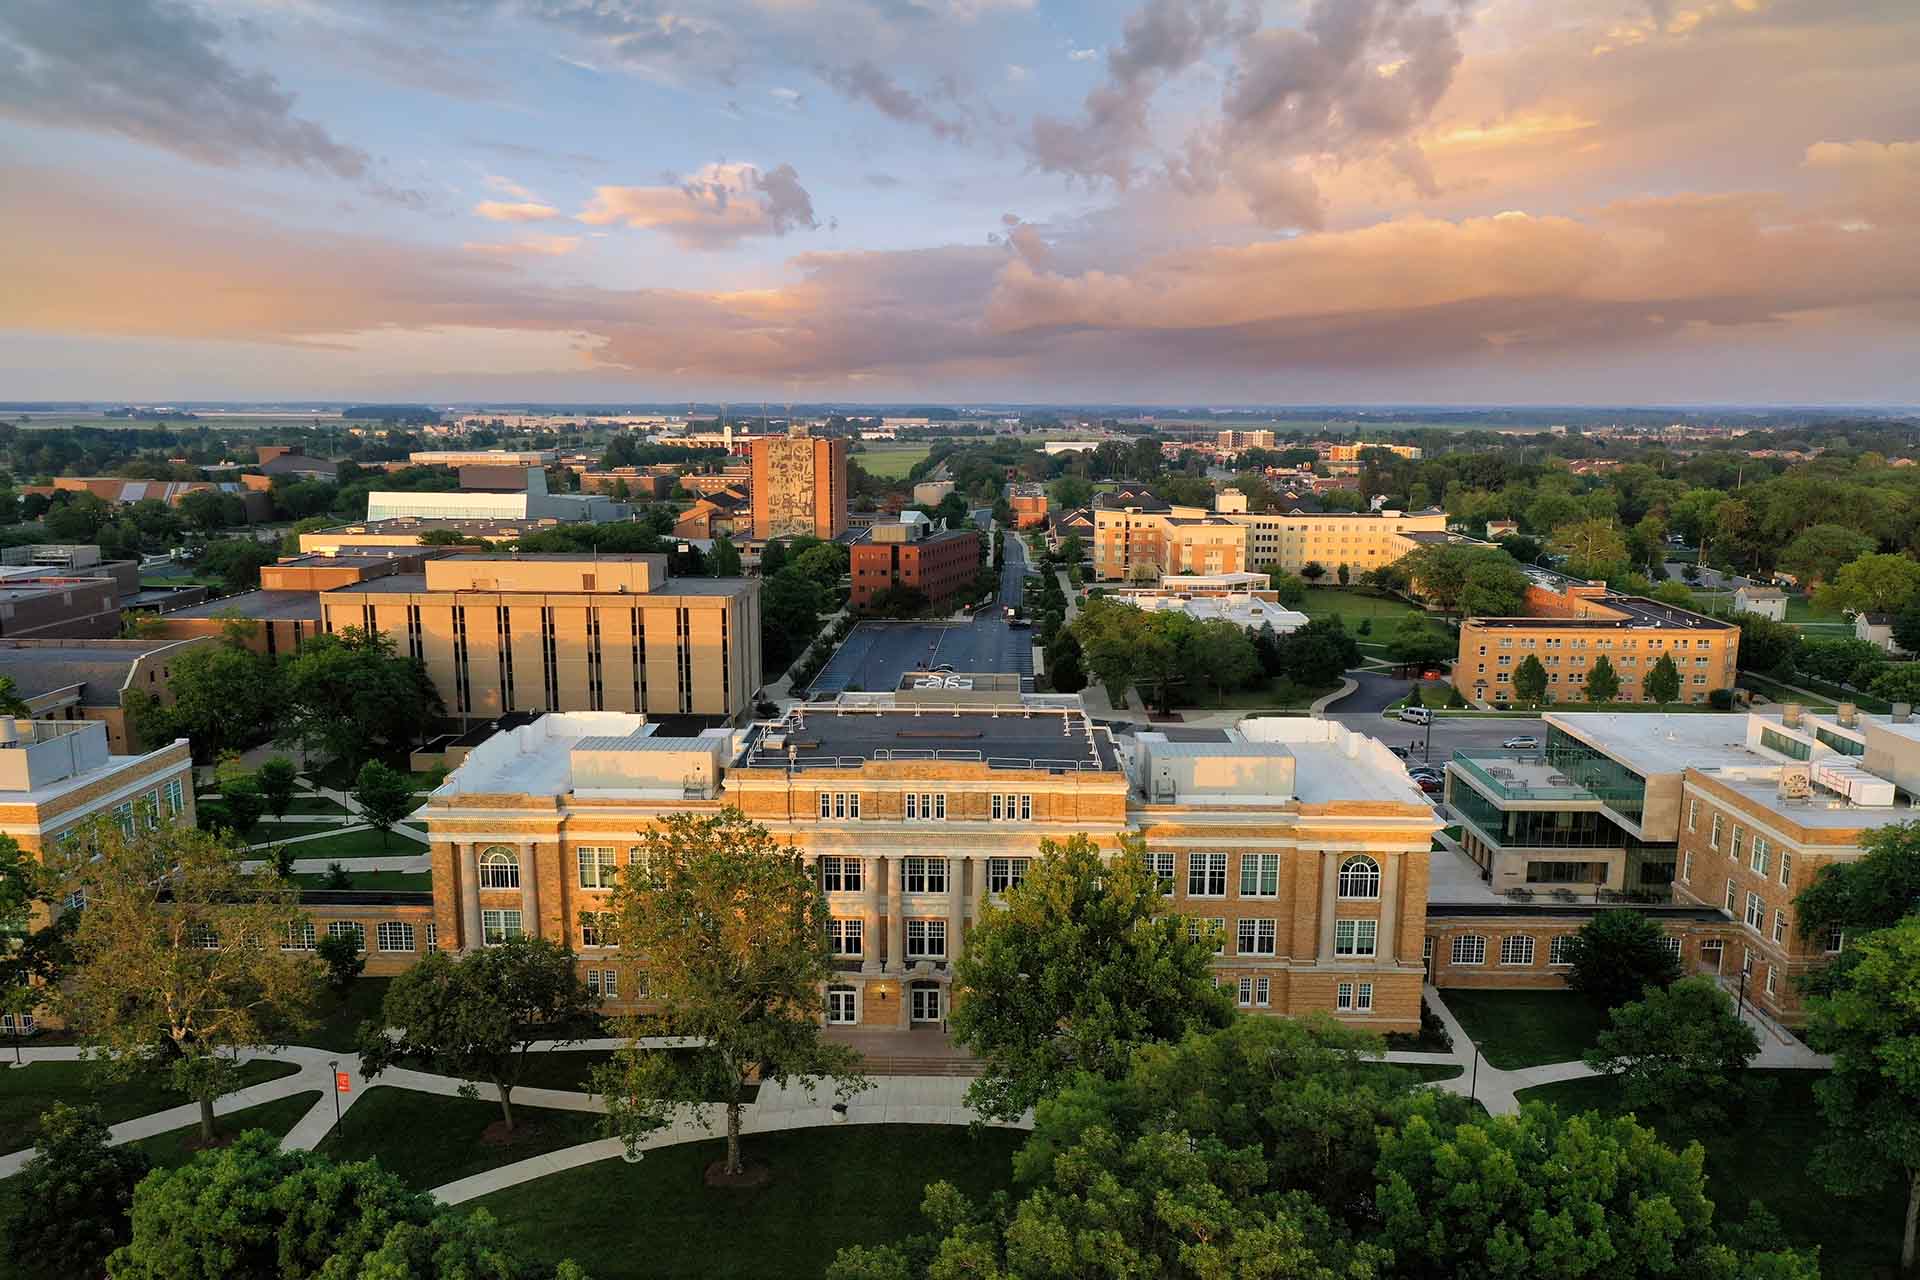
1416	715
1398	751
1523	742
1430	785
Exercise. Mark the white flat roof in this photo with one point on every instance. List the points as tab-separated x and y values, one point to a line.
1653	743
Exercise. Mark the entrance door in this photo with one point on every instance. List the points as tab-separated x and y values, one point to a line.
926	1004
1711	952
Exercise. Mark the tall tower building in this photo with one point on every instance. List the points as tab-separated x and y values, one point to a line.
799	486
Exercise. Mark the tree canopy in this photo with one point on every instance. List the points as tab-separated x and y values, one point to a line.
350	696
1614	957
1872	584
1682	1050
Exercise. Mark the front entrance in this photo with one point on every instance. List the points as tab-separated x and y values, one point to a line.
1711	952
925	1005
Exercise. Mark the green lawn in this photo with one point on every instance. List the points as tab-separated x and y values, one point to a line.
831	1188
1277	694
395	881
430	1139
1764	1157
891	463
1526	1028
1800	609
27	1092
564	1068
360	844
271	830
1352	604
173	1149
1781	693
314	804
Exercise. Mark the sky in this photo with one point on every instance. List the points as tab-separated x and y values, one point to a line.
1208	202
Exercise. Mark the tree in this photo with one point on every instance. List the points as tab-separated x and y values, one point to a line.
1416	643
1530	681
1219	653
1315	655
342	957
383	795
222	697
724	562
349	695
1682	1050
1618	955
1064	669
1820	551
252	1209
1874	891
478	1016
732	926
236	561
276	777
1897	682
1543	1193
1313	571
1841	661
1767	646
1872	584
177	955
1663	681
1594	548
68	1210
32	960
1906	629
1344	573
898	601
1870	1022
1494	587
1084	961
1603	682
1291	591
11	703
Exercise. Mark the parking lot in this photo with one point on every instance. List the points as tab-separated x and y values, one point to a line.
876	654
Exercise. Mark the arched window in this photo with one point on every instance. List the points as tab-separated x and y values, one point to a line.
1360	878
499	869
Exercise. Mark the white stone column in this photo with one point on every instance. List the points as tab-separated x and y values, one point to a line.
468	856
896	920
874	871
529	893
1329	894
957	904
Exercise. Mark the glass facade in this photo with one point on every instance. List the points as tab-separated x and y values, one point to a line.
1535	828
1618	787
1792	748
1845	746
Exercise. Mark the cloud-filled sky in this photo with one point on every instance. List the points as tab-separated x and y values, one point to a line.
1174	201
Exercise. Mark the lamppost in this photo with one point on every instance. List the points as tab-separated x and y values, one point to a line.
1473	1089
1746	967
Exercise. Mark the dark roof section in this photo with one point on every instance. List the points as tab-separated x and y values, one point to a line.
259	606
1010	740
1567	911
1641	613
366	897
101	673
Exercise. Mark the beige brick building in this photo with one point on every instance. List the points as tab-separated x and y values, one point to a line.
566	632
1304	844
1136	543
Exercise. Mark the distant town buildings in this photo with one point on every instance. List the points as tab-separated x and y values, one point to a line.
503	493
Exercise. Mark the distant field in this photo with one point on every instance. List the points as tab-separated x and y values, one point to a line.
891	464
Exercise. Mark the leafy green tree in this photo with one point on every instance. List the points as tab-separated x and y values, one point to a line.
1064	669
240	795
177	954
383	795
1870	1022
32	959
252	1209
1663	681
478	1016
1820	551
11	703
221	697
732	926
1841	661
1897	682
275	777
1084	961
68	1209
1603	682
1874	891
236	562
1617	956
1315	655
1291	590
351	697
342	957
1682	1050
1547	1194
1767	646
1219	653
1494	587
1344	573
1313	571
1594	548
1530	681
1872	584
1071	491
724	562
1415	642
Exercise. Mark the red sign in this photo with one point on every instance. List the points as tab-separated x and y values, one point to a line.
342	1082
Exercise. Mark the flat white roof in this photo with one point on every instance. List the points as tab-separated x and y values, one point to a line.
1652	743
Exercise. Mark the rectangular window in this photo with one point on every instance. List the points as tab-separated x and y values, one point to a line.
841	875
498	926
1469	948
394	935
1246	991
1786	867
596	929
1836	941
826	805
1733	845
1004	873
1558	947
1363	998
350	929
176	797
1355	937
1257	937
841	1006
1516	948
848	937
123	814
925	875
1344	997
927	939
433	936
1259	875
1714	840
926	806
1206	875
593	982
1779	925
1729	895
300	937
1686	867
596	868
1198	926
1770	985
203	936
1756	912
1262	992
1760	852
1012	808
1672	944
1161	867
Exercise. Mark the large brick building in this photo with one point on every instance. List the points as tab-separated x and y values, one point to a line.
799	486
1302	843
909	553
1142	540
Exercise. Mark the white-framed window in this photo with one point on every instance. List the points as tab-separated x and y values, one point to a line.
1729	896
1557	948
1693	812
1259	875
1786	867
926	939
604	983
349	929
1360	877
1356	938
176	796
1262	992
925	875
1197	926
1779	925
1256	937
123	815
1355	997
843	1008
497	927
1771	989
1012	808
394	935
77	900
848	937
1004	873
1714	839
1734	837
18	1024
1161	867
1672	944
596	929
1836	941
1516	949
1206	875
597	868
842	875
433	936
499	868
1469	948
203	936
1246	991
1759	862
150	811
926	806
1686	867
300	937
840	804
1756	912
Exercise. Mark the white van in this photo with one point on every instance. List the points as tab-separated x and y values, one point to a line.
1416	715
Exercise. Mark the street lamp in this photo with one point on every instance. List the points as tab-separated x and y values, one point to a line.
1473	1089
1746	967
